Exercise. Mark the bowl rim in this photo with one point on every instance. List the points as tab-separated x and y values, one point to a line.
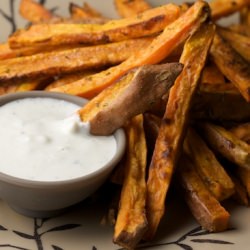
119	135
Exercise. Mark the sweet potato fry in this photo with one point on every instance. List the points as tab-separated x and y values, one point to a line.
220	102
131	221
222	8
72	60
77	12
172	36
148	23
173	127
239	42
232	65
34	12
148	83
204	207
126	8
227	144
207	166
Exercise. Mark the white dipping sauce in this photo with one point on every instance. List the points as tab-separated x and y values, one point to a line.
43	139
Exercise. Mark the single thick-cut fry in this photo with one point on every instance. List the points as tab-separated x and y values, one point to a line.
54	63
232	65
148	23
148	83
204	207
221	102
222	8
239	42
172	36
226	143
131	221
207	166
127	8
174	123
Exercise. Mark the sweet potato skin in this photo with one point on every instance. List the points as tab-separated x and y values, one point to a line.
147	84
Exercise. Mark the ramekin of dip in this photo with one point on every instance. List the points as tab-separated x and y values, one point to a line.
49	160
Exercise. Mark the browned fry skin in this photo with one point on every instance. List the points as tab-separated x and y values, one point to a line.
147	84
204	207
220	102
239	42
174	123
232	65
128	8
173	35
34	12
131	221
207	166
227	144
148	23
71	60
222	8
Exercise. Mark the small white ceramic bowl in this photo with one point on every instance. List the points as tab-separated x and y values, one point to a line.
45	199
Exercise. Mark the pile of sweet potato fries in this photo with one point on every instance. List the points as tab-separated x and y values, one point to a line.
177	81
